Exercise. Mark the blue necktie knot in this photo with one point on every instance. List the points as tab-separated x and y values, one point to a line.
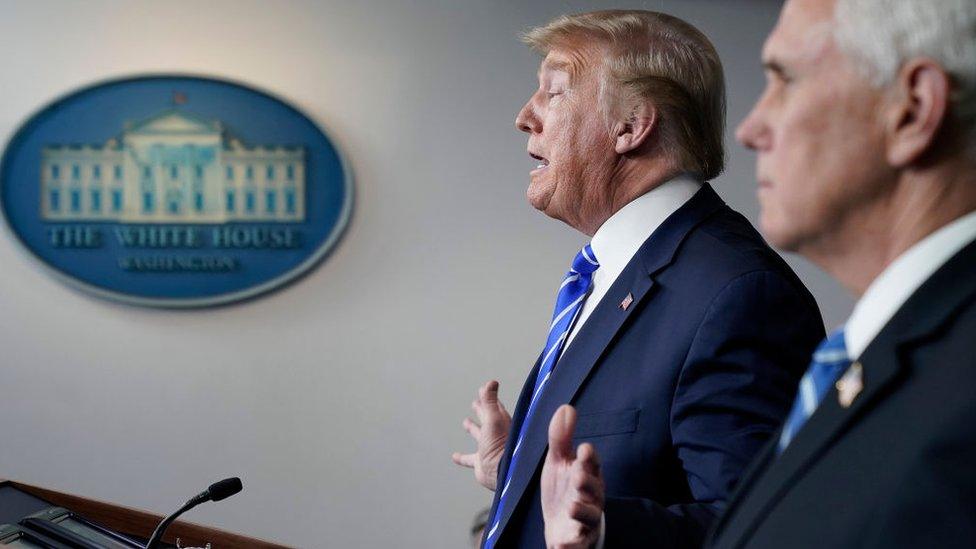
585	262
833	346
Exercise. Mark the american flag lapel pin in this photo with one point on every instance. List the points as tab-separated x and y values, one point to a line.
627	301
850	385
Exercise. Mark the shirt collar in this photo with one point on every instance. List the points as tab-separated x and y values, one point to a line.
892	288
618	239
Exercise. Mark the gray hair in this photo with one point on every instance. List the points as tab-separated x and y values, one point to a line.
662	58
881	35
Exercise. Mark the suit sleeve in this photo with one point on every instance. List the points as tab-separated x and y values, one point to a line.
734	389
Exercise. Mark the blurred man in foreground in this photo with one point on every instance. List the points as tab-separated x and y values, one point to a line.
678	334
866	141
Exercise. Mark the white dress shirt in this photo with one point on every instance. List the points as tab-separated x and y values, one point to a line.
892	288
619	238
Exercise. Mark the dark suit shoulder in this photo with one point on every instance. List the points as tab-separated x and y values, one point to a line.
940	367
732	247
932	441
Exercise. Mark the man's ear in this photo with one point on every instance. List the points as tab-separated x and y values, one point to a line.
637	129
918	110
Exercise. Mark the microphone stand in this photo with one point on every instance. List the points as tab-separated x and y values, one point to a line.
216	492
157	534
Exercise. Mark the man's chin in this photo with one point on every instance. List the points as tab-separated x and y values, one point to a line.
778	235
539	198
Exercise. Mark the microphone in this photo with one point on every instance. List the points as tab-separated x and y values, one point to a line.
217	491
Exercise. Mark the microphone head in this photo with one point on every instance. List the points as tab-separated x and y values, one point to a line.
225	488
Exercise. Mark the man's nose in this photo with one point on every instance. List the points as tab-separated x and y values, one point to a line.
527	121
750	131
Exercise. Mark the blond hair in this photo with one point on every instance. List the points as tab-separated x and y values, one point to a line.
663	59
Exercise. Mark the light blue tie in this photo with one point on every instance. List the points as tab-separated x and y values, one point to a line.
830	360
572	292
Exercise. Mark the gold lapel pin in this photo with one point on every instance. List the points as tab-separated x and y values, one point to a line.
627	301
850	385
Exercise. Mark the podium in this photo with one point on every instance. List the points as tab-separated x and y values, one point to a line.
20	499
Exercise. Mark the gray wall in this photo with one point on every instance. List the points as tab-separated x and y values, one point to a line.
339	399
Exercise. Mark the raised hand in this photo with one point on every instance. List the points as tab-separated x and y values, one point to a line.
490	433
572	487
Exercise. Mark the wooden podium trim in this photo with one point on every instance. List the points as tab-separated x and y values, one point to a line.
139	523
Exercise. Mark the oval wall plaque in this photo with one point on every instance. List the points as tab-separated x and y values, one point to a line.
174	191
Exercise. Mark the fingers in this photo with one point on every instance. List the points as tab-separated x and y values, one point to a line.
489	393
588	488
489	432
561	433
487	406
471	427
586	513
588	458
587	479
464	460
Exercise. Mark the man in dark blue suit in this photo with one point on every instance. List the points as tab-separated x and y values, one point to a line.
866	142
678	335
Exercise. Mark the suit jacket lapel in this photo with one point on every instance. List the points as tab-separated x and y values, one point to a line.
600	328
883	368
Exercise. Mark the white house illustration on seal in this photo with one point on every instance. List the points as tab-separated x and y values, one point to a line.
174	167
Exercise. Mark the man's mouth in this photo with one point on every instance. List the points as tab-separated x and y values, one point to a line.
543	162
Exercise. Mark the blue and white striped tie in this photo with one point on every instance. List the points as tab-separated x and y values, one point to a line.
572	292
830	360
